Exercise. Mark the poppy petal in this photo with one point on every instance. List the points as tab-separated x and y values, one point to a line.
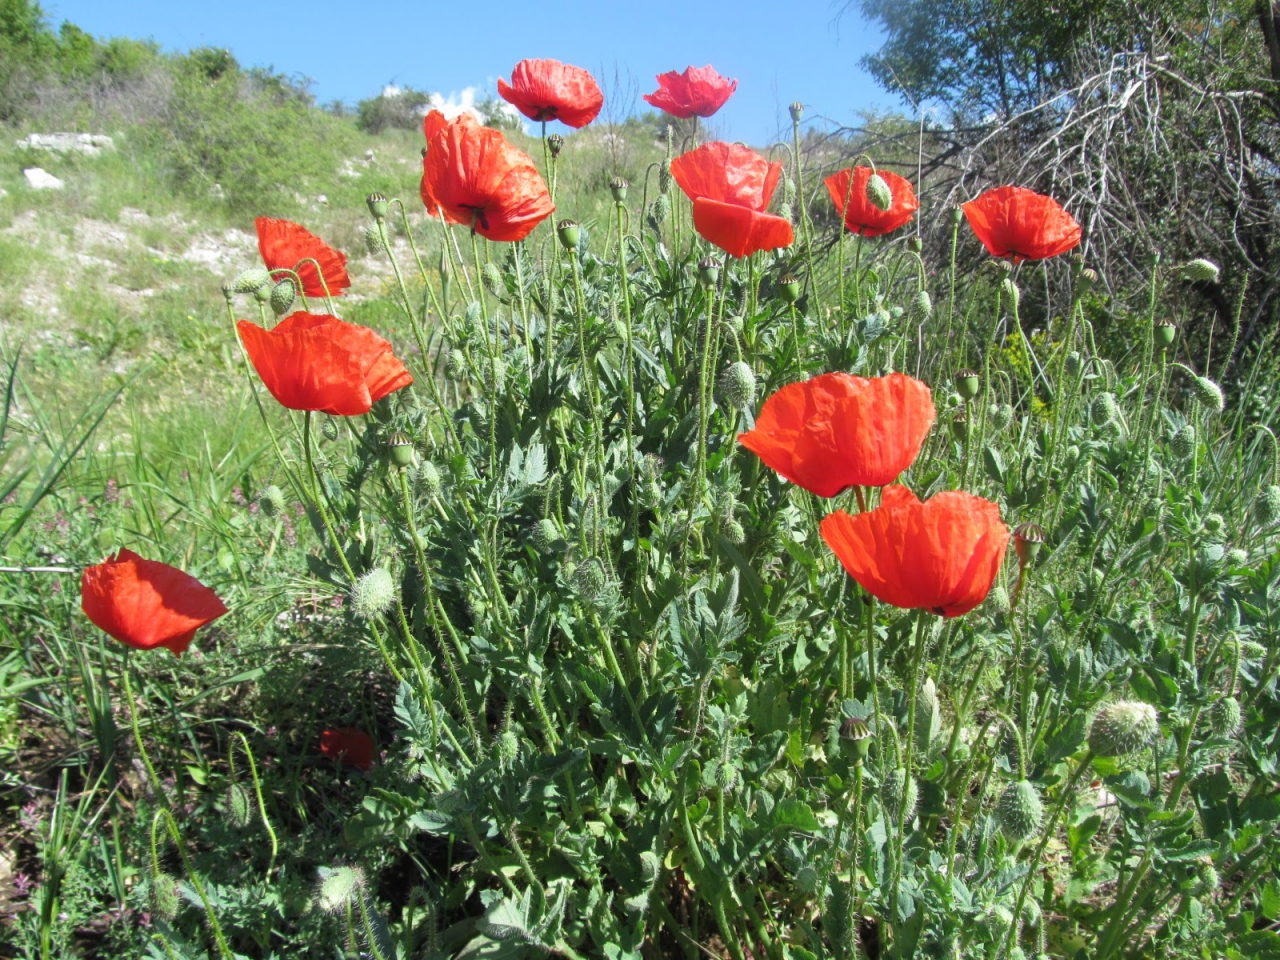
740	231
1021	224
864	217
284	245
550	90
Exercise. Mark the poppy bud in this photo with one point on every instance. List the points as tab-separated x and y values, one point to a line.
455	366
733	532
373	594
807	879
788	190
957	216
618	188
650	866
1252	650
569	233
239	810
1214	524
544	536
789	288
429	479
339	888
491	276
856	731
960	426
899	794
1072	454
263	293
400	451
282	297
1237	557
785	212
494	372
1207	393
590	581
1087	279
797	111
271	501
555	143
378	205
659	211
915	244
250	281
664	177
1020	812
878	193
373	239
997	601
1123	727
329	428
164	896
921	306
708	271
738	385
1000	415
1073	363
1266	508
1010	290
1183	443
1224	716
1207	875
968	383
1104	409
1203	271
1027	538
726	775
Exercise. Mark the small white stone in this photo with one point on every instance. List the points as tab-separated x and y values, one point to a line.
90	144
322	199
39	179
3	193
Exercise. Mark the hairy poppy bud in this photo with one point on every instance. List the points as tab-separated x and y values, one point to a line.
1266	508
899	794
373	594
664	177
1073	364
738	385
921	306
618	189
998	601
807	879
1183	443
1224	716
378	205
789	288
961	426
659	211
164	896
271	501
339	889
373	239
708	271
250	281
785	212
544	536
329	428
239	809
1207	393
968	383
788	191
1200	270
1207	875
455	366
1104	409
878	193
590	581
650	866
400	451
555	143
429	479
1123	727
569	233
282	297
856	731
491	276
1027	539
796	110
726	775
1010	290
1214	524
1000	415
1020	812
1166	332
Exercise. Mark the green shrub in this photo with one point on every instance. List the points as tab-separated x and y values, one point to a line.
393	109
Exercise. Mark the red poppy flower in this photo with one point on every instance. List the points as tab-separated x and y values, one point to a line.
730	186
941	555
837	431
698	92
865	217
475	176
551	90
145	603
350	746
285	244
1021	224
312	361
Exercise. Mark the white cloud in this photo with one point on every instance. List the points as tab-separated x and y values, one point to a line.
458	103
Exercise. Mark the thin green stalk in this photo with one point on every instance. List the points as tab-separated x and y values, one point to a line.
224	951
262	805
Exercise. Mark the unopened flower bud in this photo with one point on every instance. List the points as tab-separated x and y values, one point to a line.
569	233
738	385
1073	363
250	281
796	110
1027	539
708	271
373	594
1200	270
455	366
378	205
239	809
878	193
429	479
1104	409
329	428
1183	443
1123	727
339	890
491	276
618	189
555	143
373	239
1020	812
921	306
807	879
664	177
590	580
1214	524
788	190
282	296
271	502
659	211
400	451
544	536
733	531
968	383
1225	716
164	896
899	794
1266	508
789	287
1010	290
997	602
1207	393
1000	416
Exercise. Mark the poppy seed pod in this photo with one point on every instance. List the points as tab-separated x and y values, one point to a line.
1183	443
1087	279
555	143
1166	331
1027	539
961	426
879	194
796	110
429	479
856	731
618	189
400	451
164	896
915	244
957	216
378	205
1020	812
250	281
708	272
1266	508
373	594
968	383
789	288
569	233
738	385
271	501
339	889
1225	716
1200	270
1123	727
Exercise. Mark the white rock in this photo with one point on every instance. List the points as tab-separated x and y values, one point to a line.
322	199
3	193
38	179
368	156
87	143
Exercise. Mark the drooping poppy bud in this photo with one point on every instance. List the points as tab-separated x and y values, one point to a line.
1123	727
738	386
1203	271
1020	811
878	193
373	594
863	216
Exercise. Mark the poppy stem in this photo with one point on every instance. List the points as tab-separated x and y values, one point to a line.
224	950
517	254
805	226
917	658
951	300
631	395
137	733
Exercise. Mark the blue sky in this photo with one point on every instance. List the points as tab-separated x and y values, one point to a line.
779	52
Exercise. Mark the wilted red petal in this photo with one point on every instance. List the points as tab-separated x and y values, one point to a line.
551	90
318	362
697	92
728	172
837	431
350	746
285	244
147	604
739	231
863	216
941	555
1022	224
